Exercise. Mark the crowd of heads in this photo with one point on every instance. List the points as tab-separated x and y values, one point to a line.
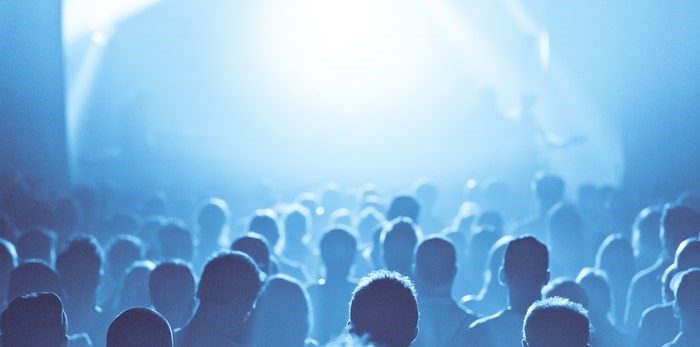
349	268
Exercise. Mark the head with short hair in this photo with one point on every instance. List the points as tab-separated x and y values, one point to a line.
175	242
688	254
35	319
338	249
399	240
133	290
645	232
264	222
80	265
255	246
566	288
139	326
37	243
556	322
231	279
122	251
526	261
212	215
403	206
383	310
595	282
435	263
677	224
171	288
33	276
686	286
297	223
549	190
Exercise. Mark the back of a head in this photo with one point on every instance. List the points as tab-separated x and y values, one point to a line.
596	284
686	286
556	322
36	244
33	276
526	261
171	284
139	327
491	220
645	231
688	254
564	221
566	288
677	224
549	189
212	215
80	265
230	277
264	222
175	242
426	192
338	249
121	252
256	247
403	206
616	256
435	262
383	310
281	314
399	241
134	287
34	320
297	223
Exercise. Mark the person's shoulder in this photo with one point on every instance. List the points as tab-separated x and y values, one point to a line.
657	311
677	342
486	321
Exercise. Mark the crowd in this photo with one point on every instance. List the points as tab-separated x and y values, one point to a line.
603	268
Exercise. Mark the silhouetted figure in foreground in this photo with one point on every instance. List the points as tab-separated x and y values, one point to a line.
442	321
677	224
524	272
227	289
383	310
139	327
281	315
33	276
171	286
330	296
686	286
34	320
556	322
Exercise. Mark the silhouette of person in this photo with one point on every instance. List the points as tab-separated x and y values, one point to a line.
8	262
595	283
442	321
255	246
35	319
566	288
122	251
549	190
524	272
265	223
37	243
227	290
175	242
403	206
686	286
493	296
133	291
555	322
677	224
33	276
565	231
297	224
659	324
481	241
281	315
80	269
399	239
645	237
139	327
330	295
212	219
616	258
383	310
426	193
171	286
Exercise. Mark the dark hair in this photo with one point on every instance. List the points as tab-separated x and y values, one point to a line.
404	206
265	223
228	277
175	242
435	261
169	283
526	259
255	246
338	248
139	326
556	322
33	276
80	264
35	319
383	309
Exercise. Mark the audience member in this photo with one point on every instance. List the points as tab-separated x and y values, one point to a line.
645	237
383	310
133	291
35	319
399	239
555	322
33	276
686	286
493	295
122	251
403	206
8	262
212	219
605	334
265	223
565	240
255	246
139	327
175	242
37	243
615	257
171	287
549	190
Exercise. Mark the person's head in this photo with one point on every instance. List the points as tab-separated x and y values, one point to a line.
171	286
525	268
230	280
33	276
369	221
256	247
338	249
212	217
490	220
139	326
80	267
564	223
435	266
399	240
566	288
495	259
122	251
134	287
549	190
175	242
37	243
383	310
403	206
264	222
688	254
34	320
615	256
556	322
297	224
677	224
426	192
281	314
595	282
645	233
686	286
